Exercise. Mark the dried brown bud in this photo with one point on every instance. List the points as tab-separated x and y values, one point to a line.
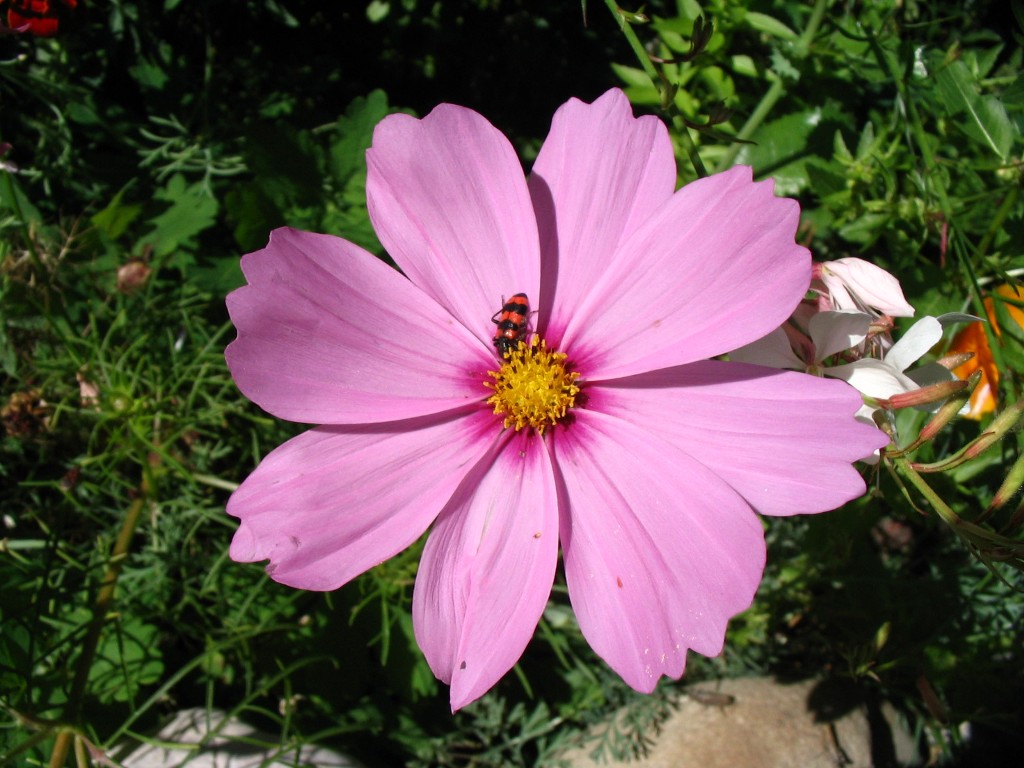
132	275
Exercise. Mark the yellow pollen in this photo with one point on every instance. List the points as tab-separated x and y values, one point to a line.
533	387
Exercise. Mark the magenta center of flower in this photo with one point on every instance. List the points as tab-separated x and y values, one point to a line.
533	388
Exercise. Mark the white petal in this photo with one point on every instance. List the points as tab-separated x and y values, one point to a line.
872	378
870	286
922	336
834	332
773	351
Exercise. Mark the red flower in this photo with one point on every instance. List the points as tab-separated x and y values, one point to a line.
38	17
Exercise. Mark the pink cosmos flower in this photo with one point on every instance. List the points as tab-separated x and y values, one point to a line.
609	433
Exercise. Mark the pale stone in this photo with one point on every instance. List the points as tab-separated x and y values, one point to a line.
763	723
197	738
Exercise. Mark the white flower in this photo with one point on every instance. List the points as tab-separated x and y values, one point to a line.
859	285
881	379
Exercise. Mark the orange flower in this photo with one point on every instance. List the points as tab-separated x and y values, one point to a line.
973	339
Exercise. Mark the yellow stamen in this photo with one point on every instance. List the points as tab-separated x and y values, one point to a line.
533	387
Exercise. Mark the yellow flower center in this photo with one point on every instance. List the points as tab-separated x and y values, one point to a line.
533	388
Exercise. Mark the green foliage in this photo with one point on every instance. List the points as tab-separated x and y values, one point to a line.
153	141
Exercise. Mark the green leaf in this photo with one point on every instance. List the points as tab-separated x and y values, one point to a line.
783	146
769	25
986	120
866	142
13	199
354	225
744	65
354	132
1013	96
191	212
117	216
221	277
253	214
377	11
839	148
639	87
127	658
782	66
825	178
864	230
149	75
986	60
284	162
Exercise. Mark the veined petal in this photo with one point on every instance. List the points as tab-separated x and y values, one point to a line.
873	378
335	501
448	199
714	268
834	332
599	174
912	345
773	350
785	441
659	552
855	284
487	569
329	334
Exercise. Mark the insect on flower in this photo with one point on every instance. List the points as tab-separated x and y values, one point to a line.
512	321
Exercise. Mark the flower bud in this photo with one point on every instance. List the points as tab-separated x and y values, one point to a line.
1011	485
949	409
999	427
933	393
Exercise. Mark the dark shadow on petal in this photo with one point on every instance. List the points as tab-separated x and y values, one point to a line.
544	210
700	373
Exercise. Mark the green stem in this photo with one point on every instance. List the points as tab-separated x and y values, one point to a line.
986	544
61	749
7	758
902	464
635	44
758	116
664	88
689	147
777	88
803	45
104	599
101	609
1007	207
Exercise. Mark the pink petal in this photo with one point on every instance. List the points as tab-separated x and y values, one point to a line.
598	176
659	553
335	501
711	270
784	440
448	199
487	569
327	333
